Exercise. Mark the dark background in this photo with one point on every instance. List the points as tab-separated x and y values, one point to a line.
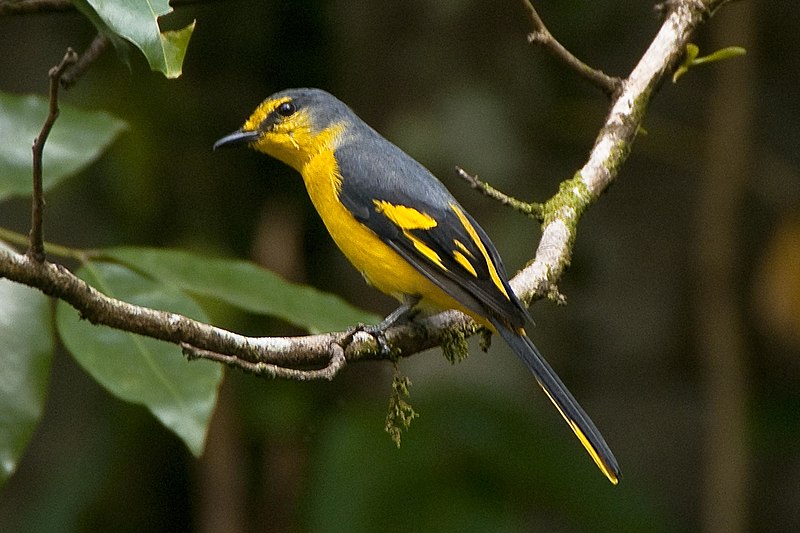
681	335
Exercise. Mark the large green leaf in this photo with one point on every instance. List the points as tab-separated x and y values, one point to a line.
137	22
245	286
78	138
26	350
139	369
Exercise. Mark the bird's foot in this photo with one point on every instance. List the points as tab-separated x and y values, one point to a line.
405	313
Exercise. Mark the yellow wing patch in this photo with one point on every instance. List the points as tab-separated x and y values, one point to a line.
464	262
463	255
425	250
461	246
407	218
477	240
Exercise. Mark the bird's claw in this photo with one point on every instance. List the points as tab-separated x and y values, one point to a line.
405	313
376	332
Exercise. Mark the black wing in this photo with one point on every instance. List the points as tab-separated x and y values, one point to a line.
411	211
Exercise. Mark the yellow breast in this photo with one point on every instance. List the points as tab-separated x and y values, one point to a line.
312	155
381	266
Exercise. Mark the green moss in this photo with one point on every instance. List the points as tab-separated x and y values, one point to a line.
455	347
554	295
400	413
485	340
637	117
568	204
536	211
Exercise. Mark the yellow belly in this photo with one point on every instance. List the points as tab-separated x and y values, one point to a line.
381	266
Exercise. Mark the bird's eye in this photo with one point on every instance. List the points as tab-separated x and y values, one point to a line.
286	109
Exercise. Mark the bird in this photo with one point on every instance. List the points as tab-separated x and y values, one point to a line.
403	230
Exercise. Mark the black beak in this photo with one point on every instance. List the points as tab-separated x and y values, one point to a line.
238	137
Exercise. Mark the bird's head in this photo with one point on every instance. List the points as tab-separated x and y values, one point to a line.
293	125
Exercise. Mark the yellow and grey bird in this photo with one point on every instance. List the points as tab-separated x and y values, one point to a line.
403	230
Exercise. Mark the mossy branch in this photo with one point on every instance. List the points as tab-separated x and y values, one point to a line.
560	217
611	148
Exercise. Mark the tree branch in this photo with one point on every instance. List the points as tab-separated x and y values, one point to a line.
208	342
611	148
336	363
89	56
528	209
290	357
542	36
36	248
27	7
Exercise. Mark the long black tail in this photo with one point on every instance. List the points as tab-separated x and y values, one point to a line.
566	404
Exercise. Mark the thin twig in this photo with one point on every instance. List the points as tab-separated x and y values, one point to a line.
27	7
336	363
36	248
89	56
533	210
542	36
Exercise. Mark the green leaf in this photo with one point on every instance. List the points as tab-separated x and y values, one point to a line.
723	53
77	139
137	22
153	373
691	60
245	286
121	45
691	52
26	351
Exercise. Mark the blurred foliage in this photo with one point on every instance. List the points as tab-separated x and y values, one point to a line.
27	341
143	370
243	285
139	369
454	83
79	139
